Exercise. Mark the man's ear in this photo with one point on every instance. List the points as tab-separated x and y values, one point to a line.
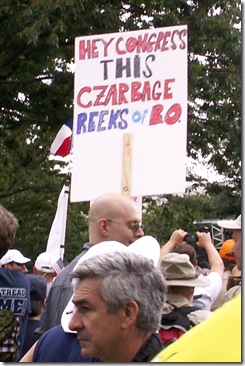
103	227
130	314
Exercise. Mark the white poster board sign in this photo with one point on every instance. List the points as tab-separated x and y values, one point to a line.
130	85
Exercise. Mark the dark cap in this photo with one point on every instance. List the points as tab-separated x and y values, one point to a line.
38	287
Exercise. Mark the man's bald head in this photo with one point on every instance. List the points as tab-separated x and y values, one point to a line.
112	204
112	208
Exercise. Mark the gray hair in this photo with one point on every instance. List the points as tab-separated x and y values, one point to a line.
127	276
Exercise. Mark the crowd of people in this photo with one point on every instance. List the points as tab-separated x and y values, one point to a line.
124	298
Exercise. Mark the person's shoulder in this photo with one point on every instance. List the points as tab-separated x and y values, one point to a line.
198	316
14	278
63	276
71	265
42	348
212	274
49	336
232	292
75	260
55	345
214	277
52	332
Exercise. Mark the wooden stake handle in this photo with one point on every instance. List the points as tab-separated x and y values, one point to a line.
127	164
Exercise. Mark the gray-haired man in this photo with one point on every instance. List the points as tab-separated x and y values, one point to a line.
118	300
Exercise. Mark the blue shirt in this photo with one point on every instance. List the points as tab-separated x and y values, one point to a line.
14	311
57	346
30	337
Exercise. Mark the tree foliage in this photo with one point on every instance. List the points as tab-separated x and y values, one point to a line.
167	213
36	94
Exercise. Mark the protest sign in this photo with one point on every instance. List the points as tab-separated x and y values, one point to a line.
130	113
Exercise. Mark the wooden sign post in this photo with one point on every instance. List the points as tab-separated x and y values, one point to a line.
127	164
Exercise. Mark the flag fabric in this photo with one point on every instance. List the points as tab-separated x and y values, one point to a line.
61	145
56	239
57	266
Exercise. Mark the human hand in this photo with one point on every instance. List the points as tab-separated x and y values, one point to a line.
177	236
204	239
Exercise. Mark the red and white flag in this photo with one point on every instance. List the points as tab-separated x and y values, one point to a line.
61	145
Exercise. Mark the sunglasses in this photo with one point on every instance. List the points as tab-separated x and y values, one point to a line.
133	226
19	264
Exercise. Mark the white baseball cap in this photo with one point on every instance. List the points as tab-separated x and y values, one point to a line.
14	255
47	262
231	224
146	246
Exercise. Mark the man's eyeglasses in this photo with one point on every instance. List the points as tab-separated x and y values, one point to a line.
133	226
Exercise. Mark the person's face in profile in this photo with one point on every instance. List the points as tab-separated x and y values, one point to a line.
125	231
15	266
98	331
236	235
237	250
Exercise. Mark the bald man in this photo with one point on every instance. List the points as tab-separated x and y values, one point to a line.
112	216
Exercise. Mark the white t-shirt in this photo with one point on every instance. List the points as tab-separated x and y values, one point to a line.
205	296
219	301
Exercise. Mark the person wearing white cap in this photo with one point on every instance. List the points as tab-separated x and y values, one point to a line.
14	259
48	266
231	224
65	345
